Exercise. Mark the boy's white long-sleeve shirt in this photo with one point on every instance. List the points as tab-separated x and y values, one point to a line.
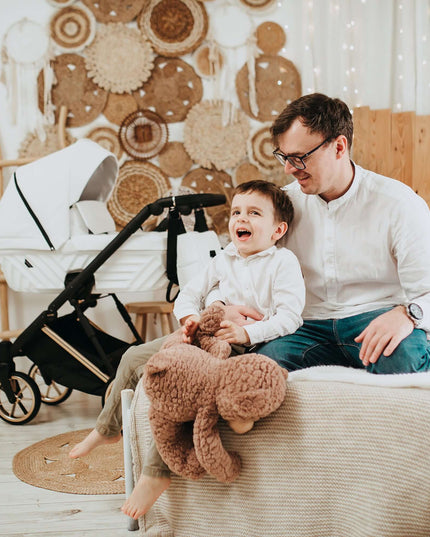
270	281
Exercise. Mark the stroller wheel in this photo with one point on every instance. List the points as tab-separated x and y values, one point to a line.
27	400
51	394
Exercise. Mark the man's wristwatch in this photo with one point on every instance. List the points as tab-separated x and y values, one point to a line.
414	312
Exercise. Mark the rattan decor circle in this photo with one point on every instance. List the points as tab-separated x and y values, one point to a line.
174	160
257	5
115	10
173	89
83	99
138	184
277	83
143	134
72	28
33	147
174	27
210	141
208	60
270	37
119	106
247	172
47	465
119	59
260	148
107	137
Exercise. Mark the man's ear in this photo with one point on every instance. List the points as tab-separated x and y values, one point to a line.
341	145
280	231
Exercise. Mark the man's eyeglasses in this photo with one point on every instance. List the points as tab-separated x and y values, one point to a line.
294	160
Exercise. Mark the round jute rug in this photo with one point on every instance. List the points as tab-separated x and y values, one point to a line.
47	465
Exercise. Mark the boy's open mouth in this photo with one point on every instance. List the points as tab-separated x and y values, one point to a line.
243	233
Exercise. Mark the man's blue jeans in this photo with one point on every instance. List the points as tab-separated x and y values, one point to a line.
331	342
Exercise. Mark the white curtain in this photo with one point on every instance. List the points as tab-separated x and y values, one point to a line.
367	52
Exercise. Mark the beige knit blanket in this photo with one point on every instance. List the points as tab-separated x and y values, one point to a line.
346	455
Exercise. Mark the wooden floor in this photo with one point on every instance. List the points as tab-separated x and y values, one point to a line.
27	511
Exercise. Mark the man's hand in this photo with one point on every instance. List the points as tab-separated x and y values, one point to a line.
242	315
383	335
189	327
232	333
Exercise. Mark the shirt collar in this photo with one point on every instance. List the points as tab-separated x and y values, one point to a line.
334	204
231	250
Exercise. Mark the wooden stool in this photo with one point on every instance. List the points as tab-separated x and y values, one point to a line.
141	309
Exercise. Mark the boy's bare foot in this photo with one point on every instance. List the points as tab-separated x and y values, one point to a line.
147	490
90	442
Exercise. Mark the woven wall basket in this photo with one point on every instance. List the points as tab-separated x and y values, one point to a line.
143	134
174	27
72	28
277	83
138	184
83	99
119	59
173	89
115	10
211	142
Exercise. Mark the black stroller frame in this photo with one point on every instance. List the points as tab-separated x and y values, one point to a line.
85	357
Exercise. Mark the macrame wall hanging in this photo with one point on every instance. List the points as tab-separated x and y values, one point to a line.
26	51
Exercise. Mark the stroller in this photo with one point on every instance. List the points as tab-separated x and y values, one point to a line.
69	351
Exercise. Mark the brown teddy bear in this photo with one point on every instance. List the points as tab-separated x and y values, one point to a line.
190	387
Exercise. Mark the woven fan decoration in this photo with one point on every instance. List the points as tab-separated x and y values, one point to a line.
119	106
270	37
107	138
277	83
174	160
209	141
202	180
174	27
32	146
115	10
143	134
138	184
119	59
73	28
83	99
172	90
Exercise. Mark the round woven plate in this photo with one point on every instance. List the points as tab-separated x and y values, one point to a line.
83	99
260	149
277	83
138	184
211	142
72	28
270	37
208	60
47	465
119	59
143	134
172	90
118	107
174	27
32	146
107	138
247	172
174	160
115	10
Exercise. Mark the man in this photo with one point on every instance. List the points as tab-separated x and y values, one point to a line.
363	242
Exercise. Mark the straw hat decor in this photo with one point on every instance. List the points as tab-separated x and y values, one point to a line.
143	134
174	27
115	10
172	90
119	59
72	28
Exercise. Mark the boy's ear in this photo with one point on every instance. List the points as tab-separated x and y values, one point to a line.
280	231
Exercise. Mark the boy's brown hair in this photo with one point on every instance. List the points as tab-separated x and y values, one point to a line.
283	208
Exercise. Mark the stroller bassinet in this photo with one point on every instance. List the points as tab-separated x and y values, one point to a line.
69	350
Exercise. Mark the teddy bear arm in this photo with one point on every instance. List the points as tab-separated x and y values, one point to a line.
216	347
217	461
175	445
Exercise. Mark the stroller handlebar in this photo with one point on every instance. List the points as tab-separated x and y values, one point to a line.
191	201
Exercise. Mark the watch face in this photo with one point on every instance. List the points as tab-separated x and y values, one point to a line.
415	311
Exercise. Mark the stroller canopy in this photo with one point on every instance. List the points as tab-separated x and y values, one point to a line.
34	209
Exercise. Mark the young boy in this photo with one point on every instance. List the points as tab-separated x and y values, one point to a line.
252	271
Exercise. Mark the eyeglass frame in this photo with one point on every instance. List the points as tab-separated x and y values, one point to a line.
282	158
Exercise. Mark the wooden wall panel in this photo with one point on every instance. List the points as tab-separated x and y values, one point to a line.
394	144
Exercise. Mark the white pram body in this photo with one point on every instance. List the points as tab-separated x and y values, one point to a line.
54	220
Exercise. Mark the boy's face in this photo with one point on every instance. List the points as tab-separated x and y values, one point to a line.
252	223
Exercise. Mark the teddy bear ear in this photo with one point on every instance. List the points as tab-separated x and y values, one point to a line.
157	364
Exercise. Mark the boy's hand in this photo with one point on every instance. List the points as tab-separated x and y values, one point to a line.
189	327
242	315
232	333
